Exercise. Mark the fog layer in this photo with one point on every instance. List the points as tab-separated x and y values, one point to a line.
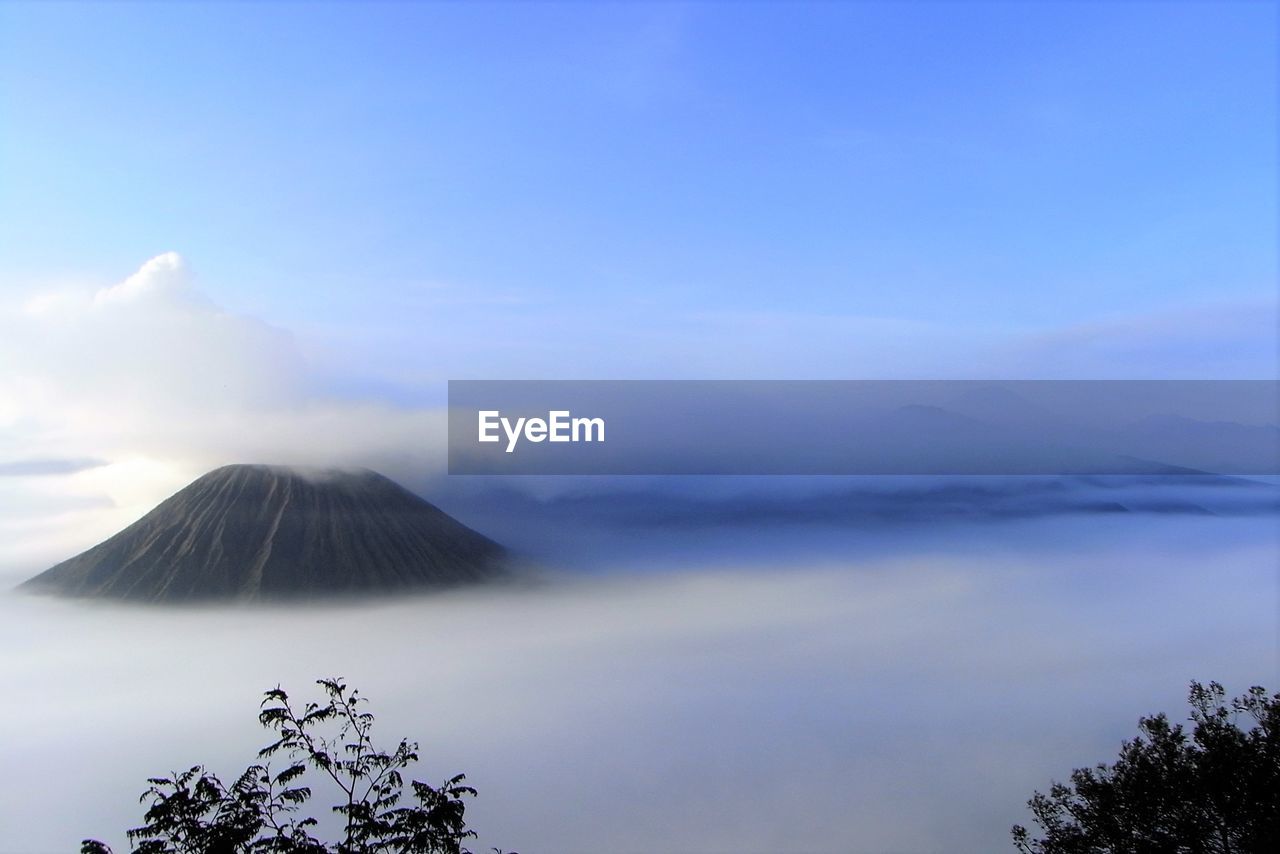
906	700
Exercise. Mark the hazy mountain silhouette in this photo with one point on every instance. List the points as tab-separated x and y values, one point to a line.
997	405
923	439
269	532
1219	446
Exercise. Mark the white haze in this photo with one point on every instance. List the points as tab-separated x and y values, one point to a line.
904	702
901	698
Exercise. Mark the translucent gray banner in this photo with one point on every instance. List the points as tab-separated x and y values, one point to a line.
872	427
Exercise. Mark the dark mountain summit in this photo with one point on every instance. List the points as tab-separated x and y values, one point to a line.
269	532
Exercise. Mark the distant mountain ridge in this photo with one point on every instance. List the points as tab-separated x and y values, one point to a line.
270	532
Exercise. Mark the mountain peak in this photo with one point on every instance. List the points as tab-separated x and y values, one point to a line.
273	532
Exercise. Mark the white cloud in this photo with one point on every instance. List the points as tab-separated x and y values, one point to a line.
159	381
149	346
164	276
905	704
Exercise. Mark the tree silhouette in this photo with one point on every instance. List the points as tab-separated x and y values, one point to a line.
193	812
1215	792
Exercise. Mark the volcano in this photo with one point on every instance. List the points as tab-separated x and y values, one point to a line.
250	532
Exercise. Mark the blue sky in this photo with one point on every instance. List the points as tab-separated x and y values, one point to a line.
380	177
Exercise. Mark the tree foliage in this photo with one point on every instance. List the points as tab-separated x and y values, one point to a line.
194	812
1213	791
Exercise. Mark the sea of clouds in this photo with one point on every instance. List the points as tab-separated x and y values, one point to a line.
782	683
907	702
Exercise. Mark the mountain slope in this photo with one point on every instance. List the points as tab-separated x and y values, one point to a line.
268	532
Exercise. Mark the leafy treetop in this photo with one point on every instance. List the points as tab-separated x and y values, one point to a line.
194	812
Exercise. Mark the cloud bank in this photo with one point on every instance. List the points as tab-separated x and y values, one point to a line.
155	383
907	703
